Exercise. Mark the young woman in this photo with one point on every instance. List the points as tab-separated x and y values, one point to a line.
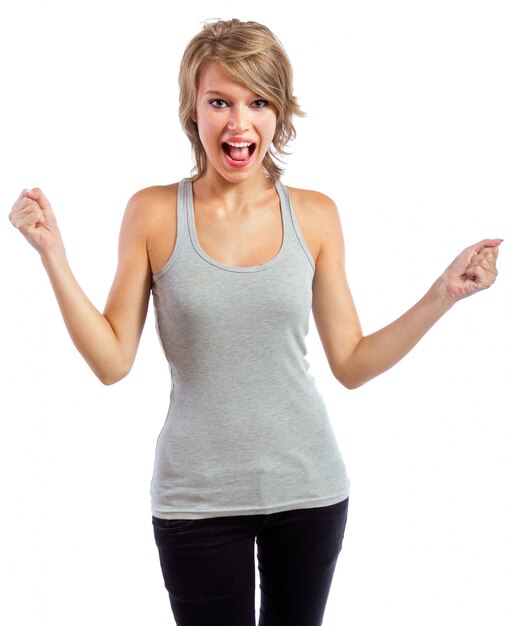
235	262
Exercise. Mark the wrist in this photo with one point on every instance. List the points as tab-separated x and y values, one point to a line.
55	257
441	294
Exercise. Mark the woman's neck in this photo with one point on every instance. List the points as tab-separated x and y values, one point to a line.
232	196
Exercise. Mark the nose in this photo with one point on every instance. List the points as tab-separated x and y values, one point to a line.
239	120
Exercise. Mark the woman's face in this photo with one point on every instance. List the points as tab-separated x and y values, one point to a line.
236	126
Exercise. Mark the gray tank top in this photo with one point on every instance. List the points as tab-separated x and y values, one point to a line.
247	431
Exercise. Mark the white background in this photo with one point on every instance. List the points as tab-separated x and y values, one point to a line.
408	131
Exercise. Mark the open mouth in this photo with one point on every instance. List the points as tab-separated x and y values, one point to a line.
238	151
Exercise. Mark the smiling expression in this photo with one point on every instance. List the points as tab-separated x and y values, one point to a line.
236	125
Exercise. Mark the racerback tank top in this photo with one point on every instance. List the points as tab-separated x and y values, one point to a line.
247	431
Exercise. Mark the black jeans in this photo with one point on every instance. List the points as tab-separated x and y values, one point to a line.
208	566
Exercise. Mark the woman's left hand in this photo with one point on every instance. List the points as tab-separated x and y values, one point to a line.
473	270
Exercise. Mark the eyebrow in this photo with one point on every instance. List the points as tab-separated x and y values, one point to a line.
213	92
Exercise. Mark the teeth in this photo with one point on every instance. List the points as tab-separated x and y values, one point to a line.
241	144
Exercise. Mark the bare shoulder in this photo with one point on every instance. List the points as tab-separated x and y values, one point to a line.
150	221
309	199
318	217
150	204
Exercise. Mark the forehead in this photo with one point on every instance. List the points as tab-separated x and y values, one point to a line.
215	81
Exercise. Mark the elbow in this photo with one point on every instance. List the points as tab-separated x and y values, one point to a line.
349	378
351	385
350	382
346	379
109	380
347	368
110	376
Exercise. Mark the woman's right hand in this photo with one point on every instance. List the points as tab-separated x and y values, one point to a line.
107	341
33	216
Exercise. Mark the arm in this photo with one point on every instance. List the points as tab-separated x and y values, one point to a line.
354	358
107	341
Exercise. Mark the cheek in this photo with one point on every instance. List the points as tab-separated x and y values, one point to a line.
202	128
271	133
208	133
207	125
272	126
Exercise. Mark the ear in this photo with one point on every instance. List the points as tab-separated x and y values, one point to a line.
194	117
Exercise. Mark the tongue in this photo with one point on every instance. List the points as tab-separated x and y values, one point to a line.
239	154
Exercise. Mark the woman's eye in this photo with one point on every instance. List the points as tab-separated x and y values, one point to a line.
259	104
218	103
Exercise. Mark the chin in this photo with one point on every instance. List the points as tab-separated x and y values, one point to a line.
240	175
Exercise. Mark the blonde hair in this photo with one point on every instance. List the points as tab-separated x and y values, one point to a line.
252	55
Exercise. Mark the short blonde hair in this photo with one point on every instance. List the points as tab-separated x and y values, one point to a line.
252	55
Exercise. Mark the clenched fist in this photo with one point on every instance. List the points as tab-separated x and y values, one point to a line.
33	216
472	270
